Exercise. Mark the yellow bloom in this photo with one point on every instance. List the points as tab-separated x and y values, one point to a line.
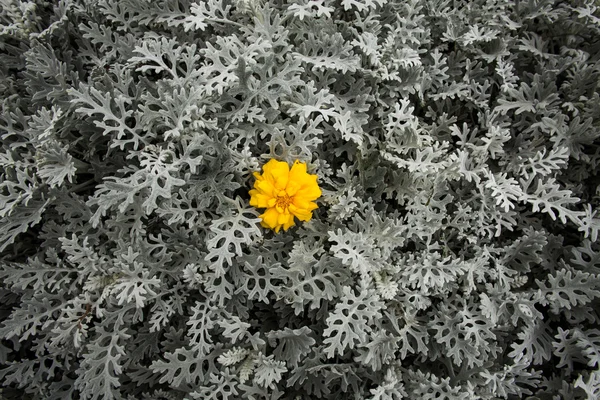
285	193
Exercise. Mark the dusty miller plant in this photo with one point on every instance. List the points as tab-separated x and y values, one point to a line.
454	253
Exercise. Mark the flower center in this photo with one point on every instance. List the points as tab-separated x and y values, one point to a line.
283	200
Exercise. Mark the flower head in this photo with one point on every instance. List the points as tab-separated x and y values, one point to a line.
285	193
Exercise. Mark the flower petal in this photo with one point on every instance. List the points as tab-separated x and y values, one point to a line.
302	214
270	217
292	187
289	223
258	199
309	192
309	189
303	204
265	187
268	168
298	171
283	218
278	172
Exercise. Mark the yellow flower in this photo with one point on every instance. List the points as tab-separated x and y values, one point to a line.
285	193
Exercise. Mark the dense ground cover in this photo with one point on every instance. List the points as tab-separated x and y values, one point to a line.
454	252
